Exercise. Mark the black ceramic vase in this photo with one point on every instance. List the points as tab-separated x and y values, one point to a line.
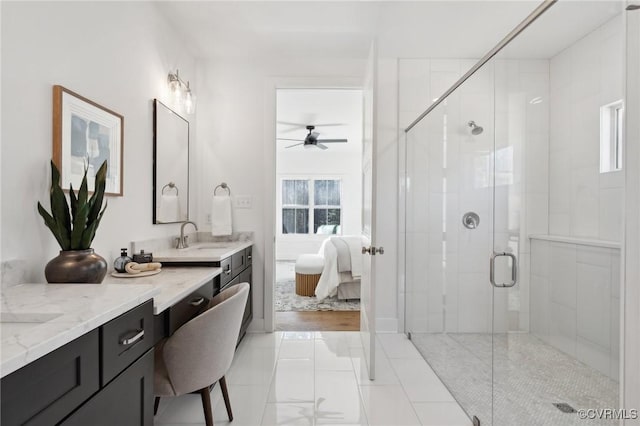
76	266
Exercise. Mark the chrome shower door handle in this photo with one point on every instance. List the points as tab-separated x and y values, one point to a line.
514	270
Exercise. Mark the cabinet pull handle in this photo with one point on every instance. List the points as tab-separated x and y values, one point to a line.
249	257
197	302
131	340
228	271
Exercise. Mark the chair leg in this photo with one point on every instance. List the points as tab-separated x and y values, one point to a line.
206	405
156	404
225	395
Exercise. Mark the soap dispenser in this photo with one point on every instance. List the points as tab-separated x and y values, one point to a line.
120	262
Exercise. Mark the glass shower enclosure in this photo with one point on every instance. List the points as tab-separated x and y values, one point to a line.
514	187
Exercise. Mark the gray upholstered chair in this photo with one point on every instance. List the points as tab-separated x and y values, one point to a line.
200	352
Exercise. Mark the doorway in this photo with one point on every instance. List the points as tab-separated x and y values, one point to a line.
318	209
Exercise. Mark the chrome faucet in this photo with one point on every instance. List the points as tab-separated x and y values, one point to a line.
182	239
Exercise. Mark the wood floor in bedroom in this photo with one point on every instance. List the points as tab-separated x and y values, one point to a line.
318	321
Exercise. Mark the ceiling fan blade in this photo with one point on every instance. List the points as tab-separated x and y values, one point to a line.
331	124
287	139
319	145
291	146
333	140
315	135
289	123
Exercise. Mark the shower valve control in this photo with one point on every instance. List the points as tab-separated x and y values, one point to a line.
471	220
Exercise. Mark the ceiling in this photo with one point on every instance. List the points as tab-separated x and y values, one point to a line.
344	29
320	106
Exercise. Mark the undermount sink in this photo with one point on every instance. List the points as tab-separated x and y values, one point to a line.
12	323
209	246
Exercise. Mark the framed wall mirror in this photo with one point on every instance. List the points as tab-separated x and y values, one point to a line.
170	165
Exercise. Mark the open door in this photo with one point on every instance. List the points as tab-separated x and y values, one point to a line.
369	251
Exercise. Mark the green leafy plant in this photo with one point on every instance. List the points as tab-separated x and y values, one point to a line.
75	230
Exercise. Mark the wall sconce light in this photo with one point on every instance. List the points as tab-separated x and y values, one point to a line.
183	97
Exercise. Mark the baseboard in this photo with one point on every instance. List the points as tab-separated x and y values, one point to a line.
386	325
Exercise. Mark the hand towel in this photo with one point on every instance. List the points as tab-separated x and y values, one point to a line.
169	208
221	216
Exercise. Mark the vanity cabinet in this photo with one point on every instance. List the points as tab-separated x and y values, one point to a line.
237	269
104	377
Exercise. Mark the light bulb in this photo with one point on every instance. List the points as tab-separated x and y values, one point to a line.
189	102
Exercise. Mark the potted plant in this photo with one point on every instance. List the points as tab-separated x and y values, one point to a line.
74	230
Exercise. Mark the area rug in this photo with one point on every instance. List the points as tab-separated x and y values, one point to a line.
287	300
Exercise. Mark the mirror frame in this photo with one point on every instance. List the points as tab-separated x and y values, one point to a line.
155	160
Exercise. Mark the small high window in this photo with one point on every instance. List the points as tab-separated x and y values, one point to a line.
611	136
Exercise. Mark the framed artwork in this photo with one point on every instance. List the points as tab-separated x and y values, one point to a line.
86	134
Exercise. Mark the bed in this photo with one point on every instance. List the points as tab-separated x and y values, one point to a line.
342	268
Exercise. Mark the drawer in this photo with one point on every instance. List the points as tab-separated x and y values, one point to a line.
226	275
124	339
234	281
127	400
248	254
238	263
45	391
189	307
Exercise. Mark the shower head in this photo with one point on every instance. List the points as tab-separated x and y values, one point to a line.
475	129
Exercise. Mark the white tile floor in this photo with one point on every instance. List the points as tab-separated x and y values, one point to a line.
314	378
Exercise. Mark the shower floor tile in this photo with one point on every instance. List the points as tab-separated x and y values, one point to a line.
529	377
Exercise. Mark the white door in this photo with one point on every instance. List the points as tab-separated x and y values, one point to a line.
369	252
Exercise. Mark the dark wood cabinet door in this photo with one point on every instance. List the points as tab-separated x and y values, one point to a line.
126	401
45	391
246	277
238	262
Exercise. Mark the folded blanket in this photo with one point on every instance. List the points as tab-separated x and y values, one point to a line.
329	279
344	255
355	248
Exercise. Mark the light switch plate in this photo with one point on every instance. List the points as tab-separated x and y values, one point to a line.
243	201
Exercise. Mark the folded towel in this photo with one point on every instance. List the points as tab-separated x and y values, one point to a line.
221	215
169	208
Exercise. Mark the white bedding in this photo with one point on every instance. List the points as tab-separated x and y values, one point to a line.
330	278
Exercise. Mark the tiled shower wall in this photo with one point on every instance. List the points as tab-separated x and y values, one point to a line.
589	74
450	172
575	301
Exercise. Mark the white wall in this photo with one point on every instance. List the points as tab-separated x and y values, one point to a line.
587	75
316	164
236	106
117	54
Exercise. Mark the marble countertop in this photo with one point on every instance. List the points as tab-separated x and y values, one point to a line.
36	319
202	252
171	285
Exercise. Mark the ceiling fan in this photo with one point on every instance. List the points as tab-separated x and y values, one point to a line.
311	140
